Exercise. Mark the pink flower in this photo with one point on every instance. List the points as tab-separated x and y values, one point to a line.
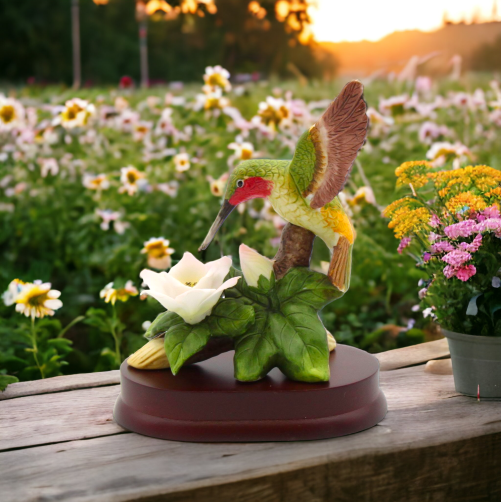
426	257
490	212
456	258
490	224
449	271
434	221
433	237
462	229
442	247
464	273
474	246
405	242
422	293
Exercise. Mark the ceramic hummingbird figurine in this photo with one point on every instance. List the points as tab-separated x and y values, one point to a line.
304	191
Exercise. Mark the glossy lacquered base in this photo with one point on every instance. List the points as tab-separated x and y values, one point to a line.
204	402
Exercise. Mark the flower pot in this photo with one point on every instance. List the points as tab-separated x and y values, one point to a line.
476	364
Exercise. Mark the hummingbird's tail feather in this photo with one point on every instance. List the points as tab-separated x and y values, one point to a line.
340	267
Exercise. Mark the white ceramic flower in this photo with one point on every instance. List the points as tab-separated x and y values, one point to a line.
191	288
254	265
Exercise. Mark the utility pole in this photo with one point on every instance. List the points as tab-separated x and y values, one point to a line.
142	19
75	35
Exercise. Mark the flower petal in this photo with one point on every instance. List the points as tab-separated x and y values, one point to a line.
164	300
189	269
254	265
53	304
216	272
197	304
163	283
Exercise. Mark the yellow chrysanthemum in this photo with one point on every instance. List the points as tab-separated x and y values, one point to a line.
407	222
495	193
465	201
415	173
480	178
407	217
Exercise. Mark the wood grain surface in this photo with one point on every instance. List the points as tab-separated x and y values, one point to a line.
434	444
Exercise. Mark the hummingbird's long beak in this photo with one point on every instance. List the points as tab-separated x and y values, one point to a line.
224	212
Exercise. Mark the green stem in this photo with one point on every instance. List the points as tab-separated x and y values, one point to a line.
72	323
35	348
116	335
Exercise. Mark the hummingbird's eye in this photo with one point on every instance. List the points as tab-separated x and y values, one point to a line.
240	183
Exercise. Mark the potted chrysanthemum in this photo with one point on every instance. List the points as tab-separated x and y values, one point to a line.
450	222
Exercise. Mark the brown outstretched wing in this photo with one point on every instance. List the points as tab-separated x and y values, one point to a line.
332	145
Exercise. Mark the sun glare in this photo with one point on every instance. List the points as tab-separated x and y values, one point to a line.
336	21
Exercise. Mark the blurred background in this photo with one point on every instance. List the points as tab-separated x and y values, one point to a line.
120	121
287	38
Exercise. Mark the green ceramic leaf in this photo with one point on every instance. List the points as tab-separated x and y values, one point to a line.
230	317
255	351
6	380
304	286
302	343
245	292
183	341
162	323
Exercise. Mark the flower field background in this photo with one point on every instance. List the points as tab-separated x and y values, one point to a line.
95	187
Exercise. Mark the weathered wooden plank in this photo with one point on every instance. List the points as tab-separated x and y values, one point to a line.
61	383
410	356
450	446
394	359
62	416
86	413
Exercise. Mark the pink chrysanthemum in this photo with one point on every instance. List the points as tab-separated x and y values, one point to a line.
456	258
490	224
490	212
449	271
405	242
442	247
474	246
461	229
434	221
464	273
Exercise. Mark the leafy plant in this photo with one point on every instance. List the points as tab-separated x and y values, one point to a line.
273	325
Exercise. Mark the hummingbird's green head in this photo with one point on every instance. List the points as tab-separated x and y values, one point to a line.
248	181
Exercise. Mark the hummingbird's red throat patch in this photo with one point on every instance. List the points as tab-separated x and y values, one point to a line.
253	188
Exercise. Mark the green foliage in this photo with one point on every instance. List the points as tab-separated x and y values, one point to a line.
32	351
49	228
7	380
273	325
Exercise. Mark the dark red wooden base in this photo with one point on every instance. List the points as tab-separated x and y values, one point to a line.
204	403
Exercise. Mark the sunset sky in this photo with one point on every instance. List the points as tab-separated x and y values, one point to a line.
352	20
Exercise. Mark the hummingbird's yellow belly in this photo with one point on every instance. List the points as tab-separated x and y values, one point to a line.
328	222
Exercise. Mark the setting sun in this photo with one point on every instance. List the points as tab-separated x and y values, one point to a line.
370	20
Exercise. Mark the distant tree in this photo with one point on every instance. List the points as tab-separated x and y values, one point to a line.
243	35
487	57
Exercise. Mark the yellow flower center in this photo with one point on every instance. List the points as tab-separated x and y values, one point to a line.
191	284
246	154
273	116
7	113
216	80
34	296
156	249
71	112
132	177
211	103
